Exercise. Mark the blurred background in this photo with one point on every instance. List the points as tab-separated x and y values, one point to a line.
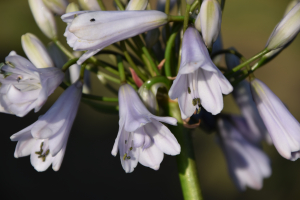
89	171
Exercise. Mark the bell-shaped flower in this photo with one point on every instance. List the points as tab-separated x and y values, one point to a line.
243	97
141	137
44	18
93	31
72	7
286	30
36	51
137	5
161	4
210	17
25	87
198	81
247	164
46	139
57	6
89	5
283	128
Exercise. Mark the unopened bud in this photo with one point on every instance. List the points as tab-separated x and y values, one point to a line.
286	30
149	99
290	6
44	18
210	21
72	7
89	5
137	5
56	6
36	51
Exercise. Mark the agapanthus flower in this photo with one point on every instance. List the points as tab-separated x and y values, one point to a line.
46	139
25	87
198	81
92	31
283	128
142	137
243	97
247	164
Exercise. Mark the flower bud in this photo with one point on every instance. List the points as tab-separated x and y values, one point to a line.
149	99
210	21
44	18
36	51
72	7
137	5
286	30
56	6
89	5
290	6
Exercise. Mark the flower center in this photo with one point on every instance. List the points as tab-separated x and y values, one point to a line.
40	153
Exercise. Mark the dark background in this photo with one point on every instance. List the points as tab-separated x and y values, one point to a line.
89	171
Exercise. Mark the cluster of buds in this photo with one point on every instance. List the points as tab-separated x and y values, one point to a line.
198	85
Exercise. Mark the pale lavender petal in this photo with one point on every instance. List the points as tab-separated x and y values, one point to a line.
151	157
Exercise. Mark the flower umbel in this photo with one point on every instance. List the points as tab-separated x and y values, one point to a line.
141	137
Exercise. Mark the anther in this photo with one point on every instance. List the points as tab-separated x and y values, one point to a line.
130	148
9	64
125	156
125	141
195	102
189	90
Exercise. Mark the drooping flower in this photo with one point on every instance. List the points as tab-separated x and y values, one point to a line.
283	128
36	51
93	31
243	97
286	30
44	18
46	139
57	6
198	81
25	87
141	137
137	5
89	5
247	164
210	17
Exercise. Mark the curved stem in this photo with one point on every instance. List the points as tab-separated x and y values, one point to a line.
101	5
185	160
121	69
100	98
69	64
158	79
186	17
168	52
120	5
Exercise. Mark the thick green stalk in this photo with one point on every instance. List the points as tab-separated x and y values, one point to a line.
158	79
167	11
82	70
101	4
260	54
130	61
194	5
186	159
100	98
186	17
63	49
69	64
121	69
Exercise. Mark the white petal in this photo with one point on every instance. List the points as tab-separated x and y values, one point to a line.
151	157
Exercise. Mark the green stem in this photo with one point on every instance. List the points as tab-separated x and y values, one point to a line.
82	70
167	26
69	64
260	54
185	160
194	5
186	17
158	79
101	4
179	18
222	5
120	5
121	69
139	41
130	61
168	52
63	49
229	51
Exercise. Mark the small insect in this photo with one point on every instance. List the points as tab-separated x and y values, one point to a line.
189	90
92	20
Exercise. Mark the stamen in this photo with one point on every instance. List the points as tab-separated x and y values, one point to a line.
10	64
130	149
128	157
189	90
40	153
125	156
195	102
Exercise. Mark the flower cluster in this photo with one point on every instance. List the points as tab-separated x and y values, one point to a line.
146	91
